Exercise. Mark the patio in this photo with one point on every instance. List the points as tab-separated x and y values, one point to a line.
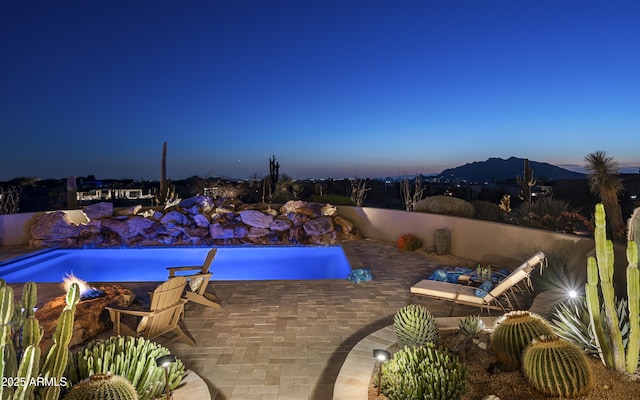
289	339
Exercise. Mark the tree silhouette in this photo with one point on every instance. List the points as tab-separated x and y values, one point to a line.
604	181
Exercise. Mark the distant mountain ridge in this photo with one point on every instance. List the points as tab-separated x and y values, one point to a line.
498	169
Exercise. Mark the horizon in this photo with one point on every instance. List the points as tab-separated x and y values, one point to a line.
366	89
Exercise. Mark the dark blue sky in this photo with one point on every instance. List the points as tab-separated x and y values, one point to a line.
331	88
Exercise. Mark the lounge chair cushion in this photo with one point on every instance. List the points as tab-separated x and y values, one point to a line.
447	291
360	275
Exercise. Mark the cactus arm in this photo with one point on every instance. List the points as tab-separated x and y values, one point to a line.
633	293
28	371
593	305
29	298
6	304
56	361
605	258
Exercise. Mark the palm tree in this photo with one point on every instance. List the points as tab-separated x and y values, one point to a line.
602	174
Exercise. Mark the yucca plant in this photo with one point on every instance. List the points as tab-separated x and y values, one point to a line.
570	321
414	325
423	372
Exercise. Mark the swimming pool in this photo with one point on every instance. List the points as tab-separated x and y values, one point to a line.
150	264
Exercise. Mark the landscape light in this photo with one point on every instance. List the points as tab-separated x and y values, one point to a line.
573	294
164	362
382	356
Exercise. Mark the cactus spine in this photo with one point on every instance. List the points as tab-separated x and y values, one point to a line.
600	270
103	387
414	325
513	333
556	368
526	183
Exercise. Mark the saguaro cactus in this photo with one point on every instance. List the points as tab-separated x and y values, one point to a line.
274	175
526	183
600	270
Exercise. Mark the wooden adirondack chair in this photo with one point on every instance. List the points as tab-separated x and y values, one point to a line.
197	282
163	316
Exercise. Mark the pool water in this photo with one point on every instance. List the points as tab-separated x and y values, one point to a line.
150	264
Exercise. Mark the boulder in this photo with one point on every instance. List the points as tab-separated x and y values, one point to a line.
345	225
91	317
318	226
99	210
292	206
280	225
54	225
133	210
240	231
329	210
195	235
297	219
127	228
202	203
256	219
255	232
175	217
202	220
218	231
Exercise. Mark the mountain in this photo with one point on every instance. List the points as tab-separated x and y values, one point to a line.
498	169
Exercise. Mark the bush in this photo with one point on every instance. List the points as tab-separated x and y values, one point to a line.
335	199
445	205
423	373
551	214
408	242
487	211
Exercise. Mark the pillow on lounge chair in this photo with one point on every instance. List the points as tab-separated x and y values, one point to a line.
439	275
484	288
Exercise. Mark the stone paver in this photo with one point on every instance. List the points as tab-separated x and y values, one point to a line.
289	339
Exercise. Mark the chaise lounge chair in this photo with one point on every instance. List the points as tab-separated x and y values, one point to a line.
499	298
163	316
197	282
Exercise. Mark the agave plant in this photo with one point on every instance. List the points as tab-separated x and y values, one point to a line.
570	321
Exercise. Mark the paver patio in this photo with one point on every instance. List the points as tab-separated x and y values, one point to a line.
289	339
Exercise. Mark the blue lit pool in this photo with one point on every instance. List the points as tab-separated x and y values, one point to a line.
149	264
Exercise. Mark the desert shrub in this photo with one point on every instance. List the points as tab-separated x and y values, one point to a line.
408	242
445	205
335	199
551	214
423	372
487	211
414	325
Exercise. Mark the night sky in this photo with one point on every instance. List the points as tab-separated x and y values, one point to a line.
331	88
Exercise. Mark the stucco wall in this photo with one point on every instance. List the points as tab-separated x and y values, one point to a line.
485	241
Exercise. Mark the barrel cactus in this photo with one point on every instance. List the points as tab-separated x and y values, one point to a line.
471	326
423	372
513	332
415	326
132	358
556	367
103	387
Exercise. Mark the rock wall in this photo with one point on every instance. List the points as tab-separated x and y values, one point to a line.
199	221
